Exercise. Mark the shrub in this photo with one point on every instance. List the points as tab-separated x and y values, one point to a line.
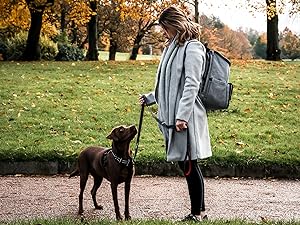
61	38
49	49
16	46
3	50
68	52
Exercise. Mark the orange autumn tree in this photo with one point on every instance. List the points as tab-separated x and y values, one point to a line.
14	18
36	8
110	24
72	17
290	44
25	14
272	8
236	43
40	16
143	15
216	35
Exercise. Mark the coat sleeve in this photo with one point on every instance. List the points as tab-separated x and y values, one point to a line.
193	66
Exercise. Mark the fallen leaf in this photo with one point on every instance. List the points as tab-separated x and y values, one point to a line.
76	142
240	143
221	141
248	110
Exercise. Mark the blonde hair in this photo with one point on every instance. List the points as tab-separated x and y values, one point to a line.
173	17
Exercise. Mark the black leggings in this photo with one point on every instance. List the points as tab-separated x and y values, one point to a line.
195	185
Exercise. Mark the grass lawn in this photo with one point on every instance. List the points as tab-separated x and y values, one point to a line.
121	56
51	110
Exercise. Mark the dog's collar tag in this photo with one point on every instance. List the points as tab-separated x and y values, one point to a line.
120	160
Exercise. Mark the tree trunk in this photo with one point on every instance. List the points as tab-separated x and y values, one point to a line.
136	46
113	50
74	30
273	51
63	18
92	34
196	11
32	50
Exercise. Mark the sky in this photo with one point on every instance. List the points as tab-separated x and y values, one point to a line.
236	18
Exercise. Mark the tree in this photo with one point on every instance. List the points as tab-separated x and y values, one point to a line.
44	16
144	15
210	34
290	45
10	11
261	46
92	33
218	36
272	8
195	4
36	8
273	51
252	35
11	22
114	29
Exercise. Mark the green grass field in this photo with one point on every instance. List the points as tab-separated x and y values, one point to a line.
122	56
51	110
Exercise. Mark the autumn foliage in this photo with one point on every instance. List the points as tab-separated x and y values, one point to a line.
121	25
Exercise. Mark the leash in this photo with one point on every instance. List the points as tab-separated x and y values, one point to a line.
140	127
188	151
162	123
188	154
139	131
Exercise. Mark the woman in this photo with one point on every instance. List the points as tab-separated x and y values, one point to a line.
177	84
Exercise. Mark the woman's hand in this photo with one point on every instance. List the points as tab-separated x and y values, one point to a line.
181	125
142	99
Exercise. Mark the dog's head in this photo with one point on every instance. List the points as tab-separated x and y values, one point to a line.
121	137
122	133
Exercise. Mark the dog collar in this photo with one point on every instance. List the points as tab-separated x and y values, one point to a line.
120	160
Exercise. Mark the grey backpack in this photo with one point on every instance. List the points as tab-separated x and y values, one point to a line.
215	90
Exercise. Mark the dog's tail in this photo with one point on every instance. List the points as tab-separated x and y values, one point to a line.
74	173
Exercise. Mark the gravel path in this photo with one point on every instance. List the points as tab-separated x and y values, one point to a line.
151	197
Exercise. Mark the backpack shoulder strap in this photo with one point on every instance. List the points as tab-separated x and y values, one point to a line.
188	42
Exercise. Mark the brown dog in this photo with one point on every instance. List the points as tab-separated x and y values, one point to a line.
114	164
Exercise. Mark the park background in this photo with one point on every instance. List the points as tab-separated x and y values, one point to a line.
69	97
77	30
59	93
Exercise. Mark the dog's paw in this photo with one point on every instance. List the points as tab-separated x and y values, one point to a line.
99	207
127	217
82	218
119	217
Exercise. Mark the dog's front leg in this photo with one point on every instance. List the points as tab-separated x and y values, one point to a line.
114	190
127	191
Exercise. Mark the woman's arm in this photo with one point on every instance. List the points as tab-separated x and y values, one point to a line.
193	66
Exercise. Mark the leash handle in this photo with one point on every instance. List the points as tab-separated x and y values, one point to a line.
139	130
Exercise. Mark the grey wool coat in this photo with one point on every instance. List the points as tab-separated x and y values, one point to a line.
177	83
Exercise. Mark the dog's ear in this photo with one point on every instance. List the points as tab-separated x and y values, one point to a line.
113	136
117	133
